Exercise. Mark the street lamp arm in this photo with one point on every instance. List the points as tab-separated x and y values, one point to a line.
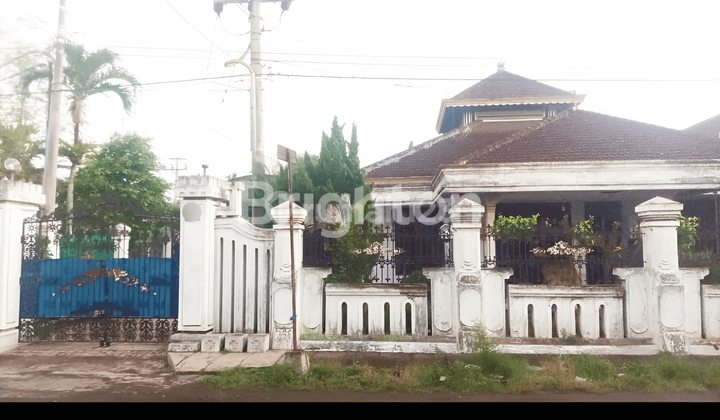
253	110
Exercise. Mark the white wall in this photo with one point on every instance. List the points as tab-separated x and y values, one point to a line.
590	299
376	296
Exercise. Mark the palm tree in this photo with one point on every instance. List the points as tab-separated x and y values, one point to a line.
86	74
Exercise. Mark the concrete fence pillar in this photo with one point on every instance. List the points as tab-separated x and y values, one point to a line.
467	223
662	300
18	201
201	197
281	290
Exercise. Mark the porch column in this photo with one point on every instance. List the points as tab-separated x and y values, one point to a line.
577	215
201	197
489	221
281	326
18	201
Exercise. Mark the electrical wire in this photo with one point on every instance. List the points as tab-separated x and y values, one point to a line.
191	25
438	79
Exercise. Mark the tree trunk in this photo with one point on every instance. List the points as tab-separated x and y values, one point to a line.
73	171
71	187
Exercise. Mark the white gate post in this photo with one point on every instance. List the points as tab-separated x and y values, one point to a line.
282	325
18	201
201	197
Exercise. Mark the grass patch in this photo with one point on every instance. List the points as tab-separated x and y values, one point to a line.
488	371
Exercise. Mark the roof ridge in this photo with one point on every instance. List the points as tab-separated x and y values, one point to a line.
515	136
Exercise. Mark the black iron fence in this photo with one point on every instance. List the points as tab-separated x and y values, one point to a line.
404	249
549	257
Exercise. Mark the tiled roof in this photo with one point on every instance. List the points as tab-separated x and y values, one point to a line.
504	84
574	136
709	127
425	159
585	135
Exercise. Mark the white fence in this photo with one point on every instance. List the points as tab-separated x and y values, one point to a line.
376	309
551	312
243	271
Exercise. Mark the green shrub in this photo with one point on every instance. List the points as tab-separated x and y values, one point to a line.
514	227
479	341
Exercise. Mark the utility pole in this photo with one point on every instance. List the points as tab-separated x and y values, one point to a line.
51	148
255	55
258	148
176	168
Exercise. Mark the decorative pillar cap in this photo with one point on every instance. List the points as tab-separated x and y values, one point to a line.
202	186
466	213
281	214
659	208
21	192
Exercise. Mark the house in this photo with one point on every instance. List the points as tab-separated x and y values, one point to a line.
522	147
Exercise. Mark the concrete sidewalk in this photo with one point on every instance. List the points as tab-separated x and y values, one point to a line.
197	362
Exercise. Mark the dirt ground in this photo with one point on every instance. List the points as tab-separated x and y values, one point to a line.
84	372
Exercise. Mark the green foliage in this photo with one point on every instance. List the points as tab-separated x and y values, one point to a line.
493	372
479	341
355	253
514	227
584	233
118	184
86	74
687	235
673	373
592	367
337	170
416	277
124	171
17	142
569	339
459	376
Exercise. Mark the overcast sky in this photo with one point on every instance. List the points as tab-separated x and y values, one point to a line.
384	65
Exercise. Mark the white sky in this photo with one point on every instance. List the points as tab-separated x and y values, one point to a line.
650	61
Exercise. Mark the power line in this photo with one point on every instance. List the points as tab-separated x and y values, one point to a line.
429	79
192	26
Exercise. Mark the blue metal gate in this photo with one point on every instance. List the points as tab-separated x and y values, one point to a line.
87	294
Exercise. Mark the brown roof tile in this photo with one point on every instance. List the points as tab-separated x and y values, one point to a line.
504	84
589	136
709	127
575	136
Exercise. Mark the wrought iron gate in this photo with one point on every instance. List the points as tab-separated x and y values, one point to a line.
85	281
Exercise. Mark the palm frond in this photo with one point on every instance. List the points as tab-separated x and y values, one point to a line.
33	74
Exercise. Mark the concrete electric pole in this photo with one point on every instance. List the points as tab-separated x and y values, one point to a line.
51	148
258	146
